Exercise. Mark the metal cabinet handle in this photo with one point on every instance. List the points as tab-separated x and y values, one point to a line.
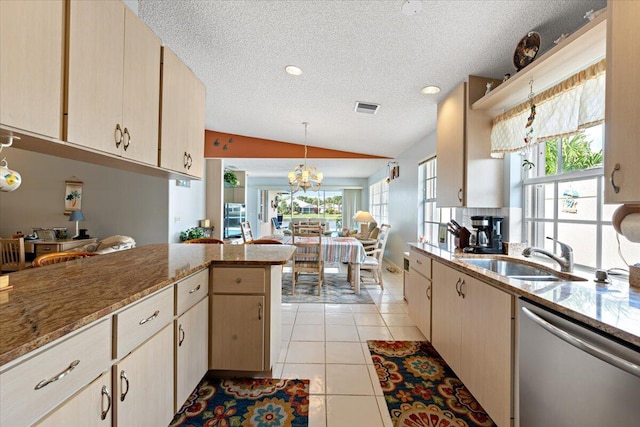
616	168
428	292
181	335
238	280
458	284
196	289
259	311
461	285
105	393
150	318
117	135
128	139
185	159
460	195
587	347
45	382
123	376
190	161
418	262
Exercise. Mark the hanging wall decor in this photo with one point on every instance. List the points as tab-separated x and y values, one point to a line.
72	196
10	180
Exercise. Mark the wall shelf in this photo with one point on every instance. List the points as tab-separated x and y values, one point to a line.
585	46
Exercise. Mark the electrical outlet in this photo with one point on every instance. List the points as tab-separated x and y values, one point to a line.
176	219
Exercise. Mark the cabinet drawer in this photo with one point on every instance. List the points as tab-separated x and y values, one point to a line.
75	362
191	290
420	263
238	280
140	321
47	248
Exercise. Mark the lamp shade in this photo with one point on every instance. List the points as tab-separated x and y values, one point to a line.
76	216
363	216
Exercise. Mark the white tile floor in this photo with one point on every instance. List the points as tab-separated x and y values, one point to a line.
327	344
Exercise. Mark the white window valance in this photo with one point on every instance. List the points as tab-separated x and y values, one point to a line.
564	109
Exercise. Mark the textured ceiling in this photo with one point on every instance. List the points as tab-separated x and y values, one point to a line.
349	51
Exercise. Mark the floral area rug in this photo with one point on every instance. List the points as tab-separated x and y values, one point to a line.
335	290
421	390
255	402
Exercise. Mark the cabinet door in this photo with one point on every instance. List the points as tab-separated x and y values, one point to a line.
418	302
622	106
195	126
487	343
92	407
192	335
237	332
141	91
144	380
96	44
31	65
450	148
446	318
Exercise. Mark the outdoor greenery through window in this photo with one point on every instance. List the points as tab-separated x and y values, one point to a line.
563	191
379	201
430	217
312	204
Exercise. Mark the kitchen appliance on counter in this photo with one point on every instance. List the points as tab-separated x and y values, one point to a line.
487	235
572	375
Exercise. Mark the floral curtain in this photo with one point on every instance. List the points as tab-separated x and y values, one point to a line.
564	109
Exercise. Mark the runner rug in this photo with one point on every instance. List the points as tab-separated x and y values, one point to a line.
335	290
246	402
421	390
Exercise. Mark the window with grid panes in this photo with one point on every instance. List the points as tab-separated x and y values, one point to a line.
379	201
429	216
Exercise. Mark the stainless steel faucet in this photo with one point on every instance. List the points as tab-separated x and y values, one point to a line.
565	259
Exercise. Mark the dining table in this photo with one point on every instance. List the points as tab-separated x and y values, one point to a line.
337	249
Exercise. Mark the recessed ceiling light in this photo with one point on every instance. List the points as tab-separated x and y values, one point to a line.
293	70
430	90
411	7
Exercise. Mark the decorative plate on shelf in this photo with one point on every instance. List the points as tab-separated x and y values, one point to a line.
526	50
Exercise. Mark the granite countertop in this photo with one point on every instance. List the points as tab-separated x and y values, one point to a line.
48	302
613	308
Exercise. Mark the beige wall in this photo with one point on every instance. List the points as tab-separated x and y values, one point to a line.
113	201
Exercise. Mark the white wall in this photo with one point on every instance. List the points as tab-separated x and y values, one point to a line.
113	201
403	198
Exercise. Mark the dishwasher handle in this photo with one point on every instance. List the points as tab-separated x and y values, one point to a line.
601	354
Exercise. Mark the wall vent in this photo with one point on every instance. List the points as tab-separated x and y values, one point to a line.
366	107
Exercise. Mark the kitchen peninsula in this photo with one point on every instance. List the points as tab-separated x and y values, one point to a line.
90	301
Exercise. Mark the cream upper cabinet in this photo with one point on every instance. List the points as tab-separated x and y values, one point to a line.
467	175
31	65
622	147
472	329
182	117
113	81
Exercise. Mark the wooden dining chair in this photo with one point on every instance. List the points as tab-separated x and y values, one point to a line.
58	257
308	255
12	257
245	229
210	240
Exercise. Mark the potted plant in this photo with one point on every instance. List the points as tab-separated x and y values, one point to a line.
191	233
231	178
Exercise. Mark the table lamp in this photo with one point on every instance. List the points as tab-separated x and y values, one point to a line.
77	217
364	218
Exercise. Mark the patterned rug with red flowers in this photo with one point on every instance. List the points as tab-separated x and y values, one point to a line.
421	390
255	402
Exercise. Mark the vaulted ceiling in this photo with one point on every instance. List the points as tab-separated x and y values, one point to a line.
348	51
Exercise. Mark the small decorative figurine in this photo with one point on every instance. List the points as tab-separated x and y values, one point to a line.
489	87
506	77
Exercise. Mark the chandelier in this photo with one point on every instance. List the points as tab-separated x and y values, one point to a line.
304	177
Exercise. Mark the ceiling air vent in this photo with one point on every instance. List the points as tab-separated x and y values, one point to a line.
366	107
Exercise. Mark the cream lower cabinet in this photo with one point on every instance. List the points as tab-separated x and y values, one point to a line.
473	330
92	407
419	292
621	154
144	383
245	318
192	347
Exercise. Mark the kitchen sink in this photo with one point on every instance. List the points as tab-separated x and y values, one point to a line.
515	269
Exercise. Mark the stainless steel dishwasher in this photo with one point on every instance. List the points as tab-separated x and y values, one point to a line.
571	376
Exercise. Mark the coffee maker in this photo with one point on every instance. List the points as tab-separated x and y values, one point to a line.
487	236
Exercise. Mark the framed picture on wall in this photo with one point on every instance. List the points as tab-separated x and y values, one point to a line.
72	196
